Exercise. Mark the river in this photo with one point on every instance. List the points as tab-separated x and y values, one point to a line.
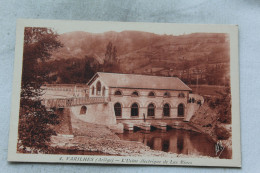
175	141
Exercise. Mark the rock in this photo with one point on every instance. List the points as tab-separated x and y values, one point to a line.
118	128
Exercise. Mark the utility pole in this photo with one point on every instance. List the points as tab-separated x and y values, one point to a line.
197	72
197	83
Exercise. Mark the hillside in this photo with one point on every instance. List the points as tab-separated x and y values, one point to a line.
148	53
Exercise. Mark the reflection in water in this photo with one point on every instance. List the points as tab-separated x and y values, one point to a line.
179	143
166	144
175	141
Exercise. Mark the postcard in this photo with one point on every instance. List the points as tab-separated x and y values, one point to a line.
125	93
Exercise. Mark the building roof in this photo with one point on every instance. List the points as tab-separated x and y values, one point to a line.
118	80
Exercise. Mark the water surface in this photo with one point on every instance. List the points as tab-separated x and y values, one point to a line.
175	141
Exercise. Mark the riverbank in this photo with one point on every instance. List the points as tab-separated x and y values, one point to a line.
206	121
95	146
96	138
99	139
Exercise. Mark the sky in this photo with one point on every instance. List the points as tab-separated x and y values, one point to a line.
64	26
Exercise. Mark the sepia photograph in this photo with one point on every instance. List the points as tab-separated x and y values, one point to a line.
126	93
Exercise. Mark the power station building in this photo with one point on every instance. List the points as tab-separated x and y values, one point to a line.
135	98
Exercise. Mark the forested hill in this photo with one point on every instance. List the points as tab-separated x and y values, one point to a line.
185	56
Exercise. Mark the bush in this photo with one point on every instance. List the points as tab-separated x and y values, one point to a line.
213	103
224	116
222	105
222	133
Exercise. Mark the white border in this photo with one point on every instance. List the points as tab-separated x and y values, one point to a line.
97	27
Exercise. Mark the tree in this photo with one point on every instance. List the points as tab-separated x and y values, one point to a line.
90	68
114	54
222	104
224	111
109	52
110	62
34	120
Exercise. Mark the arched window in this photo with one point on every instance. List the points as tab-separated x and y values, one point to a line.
181	95
93	90
135	93
166	110
151	94
83	110
134	109
150	111
180	110
118	110
103	91
98	86
167	94
118	93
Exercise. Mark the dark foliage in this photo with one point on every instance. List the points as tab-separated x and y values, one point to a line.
224	110
223	105
76	70
222	133
73	70
111	63
34	120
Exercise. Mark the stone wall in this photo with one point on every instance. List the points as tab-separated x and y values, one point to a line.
95	113
65	126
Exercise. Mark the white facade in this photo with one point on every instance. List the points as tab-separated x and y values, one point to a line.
135	104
